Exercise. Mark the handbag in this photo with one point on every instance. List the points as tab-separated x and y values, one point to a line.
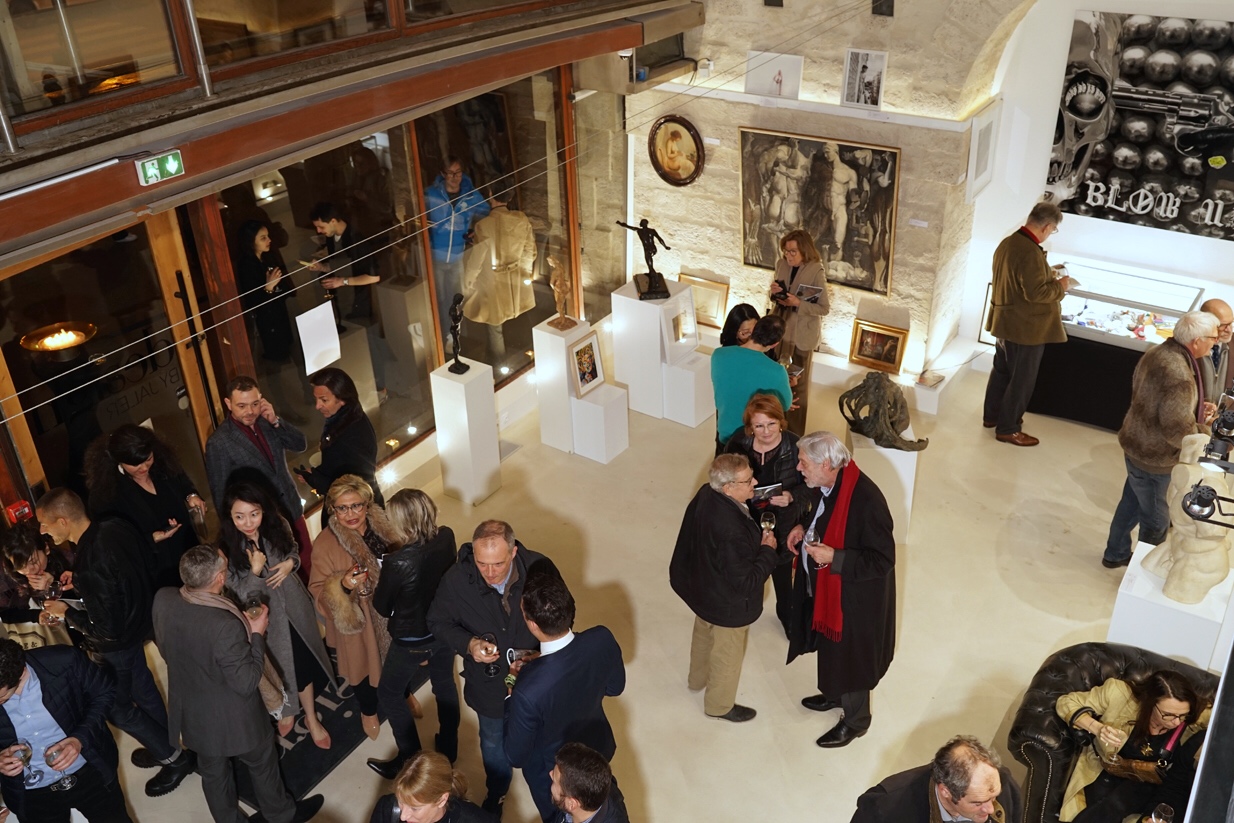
1144	771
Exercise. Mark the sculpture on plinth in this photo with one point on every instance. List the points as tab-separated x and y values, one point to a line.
1194	557
456	330
559	279
650	286
877	409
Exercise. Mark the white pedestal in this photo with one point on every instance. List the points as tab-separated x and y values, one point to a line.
688	396
406	321
894	471
554	387
1143	616
465	412
638	349
601	423
356	359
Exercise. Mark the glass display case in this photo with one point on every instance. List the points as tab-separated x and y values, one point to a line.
1123	306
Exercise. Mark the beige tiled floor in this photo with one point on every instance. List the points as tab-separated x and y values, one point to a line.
1001	568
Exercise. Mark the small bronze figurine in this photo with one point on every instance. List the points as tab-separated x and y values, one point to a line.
456	326
650	286
560	282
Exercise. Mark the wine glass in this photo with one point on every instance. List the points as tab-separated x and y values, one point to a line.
768	521
491	669
25	753
1164	813
366	588
66	781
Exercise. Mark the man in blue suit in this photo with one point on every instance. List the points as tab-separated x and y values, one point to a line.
559	696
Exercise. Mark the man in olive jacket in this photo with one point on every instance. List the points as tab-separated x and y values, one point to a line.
1024	316
719	568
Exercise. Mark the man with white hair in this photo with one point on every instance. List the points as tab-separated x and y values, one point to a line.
1167	404
843	604
1215	369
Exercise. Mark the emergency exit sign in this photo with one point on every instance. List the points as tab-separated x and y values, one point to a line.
161	167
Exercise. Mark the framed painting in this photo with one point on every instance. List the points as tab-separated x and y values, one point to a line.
676	150
863	79
586	367
877	346
983	137
710	300
843	194
984	336
678	327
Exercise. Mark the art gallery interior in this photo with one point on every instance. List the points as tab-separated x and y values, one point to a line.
262	111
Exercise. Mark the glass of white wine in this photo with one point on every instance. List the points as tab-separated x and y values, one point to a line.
1164	813
768	521
66	781
25	753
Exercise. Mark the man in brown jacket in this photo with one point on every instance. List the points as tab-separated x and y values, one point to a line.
1024	316
1167	404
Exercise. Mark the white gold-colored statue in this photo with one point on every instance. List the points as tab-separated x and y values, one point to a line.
1194	557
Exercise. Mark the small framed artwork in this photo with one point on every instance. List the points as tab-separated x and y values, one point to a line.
877	346
710	300
676	150
863	78
586	365
981	142
774	75
984	336
678	328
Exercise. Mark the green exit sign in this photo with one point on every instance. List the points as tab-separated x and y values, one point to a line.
159	168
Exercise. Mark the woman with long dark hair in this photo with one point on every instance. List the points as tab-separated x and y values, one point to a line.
133	474
262	559
264	288
739	325
348	439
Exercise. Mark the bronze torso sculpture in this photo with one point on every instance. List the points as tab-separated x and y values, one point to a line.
877	409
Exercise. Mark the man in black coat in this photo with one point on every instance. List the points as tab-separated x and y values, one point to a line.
966	781
583	788
720	564
476	613
844	591
559	696
114	575
56	699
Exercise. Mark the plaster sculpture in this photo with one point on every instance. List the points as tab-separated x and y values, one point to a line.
877	409
1194	557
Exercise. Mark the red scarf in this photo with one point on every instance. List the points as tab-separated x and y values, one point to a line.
828	614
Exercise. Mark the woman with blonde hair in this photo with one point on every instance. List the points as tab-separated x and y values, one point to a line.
799	292
342	580
428	790
409	579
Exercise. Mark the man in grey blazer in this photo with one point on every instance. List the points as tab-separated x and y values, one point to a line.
215	658
1215	369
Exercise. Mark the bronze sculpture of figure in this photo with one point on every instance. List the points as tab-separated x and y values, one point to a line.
456	326
560	281
877	409
651	285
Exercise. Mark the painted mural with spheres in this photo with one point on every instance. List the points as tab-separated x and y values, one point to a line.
1145	131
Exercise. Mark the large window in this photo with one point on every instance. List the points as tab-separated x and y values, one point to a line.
233	30
59	51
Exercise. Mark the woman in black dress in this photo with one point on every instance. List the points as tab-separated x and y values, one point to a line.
428	790
739	325
133	474
264	289
348	439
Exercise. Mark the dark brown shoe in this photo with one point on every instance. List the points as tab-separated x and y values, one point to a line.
989	424
1017	439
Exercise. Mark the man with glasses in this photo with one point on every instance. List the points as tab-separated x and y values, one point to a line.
1215	369
719	567
1024	316
1167	404
453	205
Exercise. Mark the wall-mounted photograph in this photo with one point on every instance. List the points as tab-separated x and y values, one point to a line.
843	193
587	368
863	78
877	346
676	150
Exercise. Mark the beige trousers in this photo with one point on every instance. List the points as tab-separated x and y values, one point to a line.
716	653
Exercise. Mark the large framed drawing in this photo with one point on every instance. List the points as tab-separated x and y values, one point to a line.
843	193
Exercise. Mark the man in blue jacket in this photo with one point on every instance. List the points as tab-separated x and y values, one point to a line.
559	697
453	205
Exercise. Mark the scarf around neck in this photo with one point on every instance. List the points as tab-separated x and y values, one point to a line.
273	695
828	612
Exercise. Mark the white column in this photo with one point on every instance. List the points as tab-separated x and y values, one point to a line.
465	413
553	385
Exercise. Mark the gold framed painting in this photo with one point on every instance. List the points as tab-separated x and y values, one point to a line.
877	346
710	300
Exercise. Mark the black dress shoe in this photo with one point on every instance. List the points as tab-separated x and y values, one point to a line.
171	775
308	808
737	714
386	768
819	703
493	805
841	735
142	759
1114	564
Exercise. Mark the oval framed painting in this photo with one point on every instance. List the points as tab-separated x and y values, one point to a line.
676	150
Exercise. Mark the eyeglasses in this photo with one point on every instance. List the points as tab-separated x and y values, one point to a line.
352	508
458	173
794	252
750	482
1168	716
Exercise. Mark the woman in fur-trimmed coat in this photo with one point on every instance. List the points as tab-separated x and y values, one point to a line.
343	579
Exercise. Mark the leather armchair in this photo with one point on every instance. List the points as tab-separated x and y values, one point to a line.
1041	740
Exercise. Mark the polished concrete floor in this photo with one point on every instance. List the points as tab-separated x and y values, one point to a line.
1001	567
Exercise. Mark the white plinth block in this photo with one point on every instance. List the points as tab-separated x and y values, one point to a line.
356	359
688	396
601	423
554	386
638	349
894	471
1143	616
465	411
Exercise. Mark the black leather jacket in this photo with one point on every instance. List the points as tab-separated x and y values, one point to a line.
115	577
409	579
780	467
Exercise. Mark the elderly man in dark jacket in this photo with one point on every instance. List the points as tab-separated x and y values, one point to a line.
57	691
476	613
844	592
719	567
1167	404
